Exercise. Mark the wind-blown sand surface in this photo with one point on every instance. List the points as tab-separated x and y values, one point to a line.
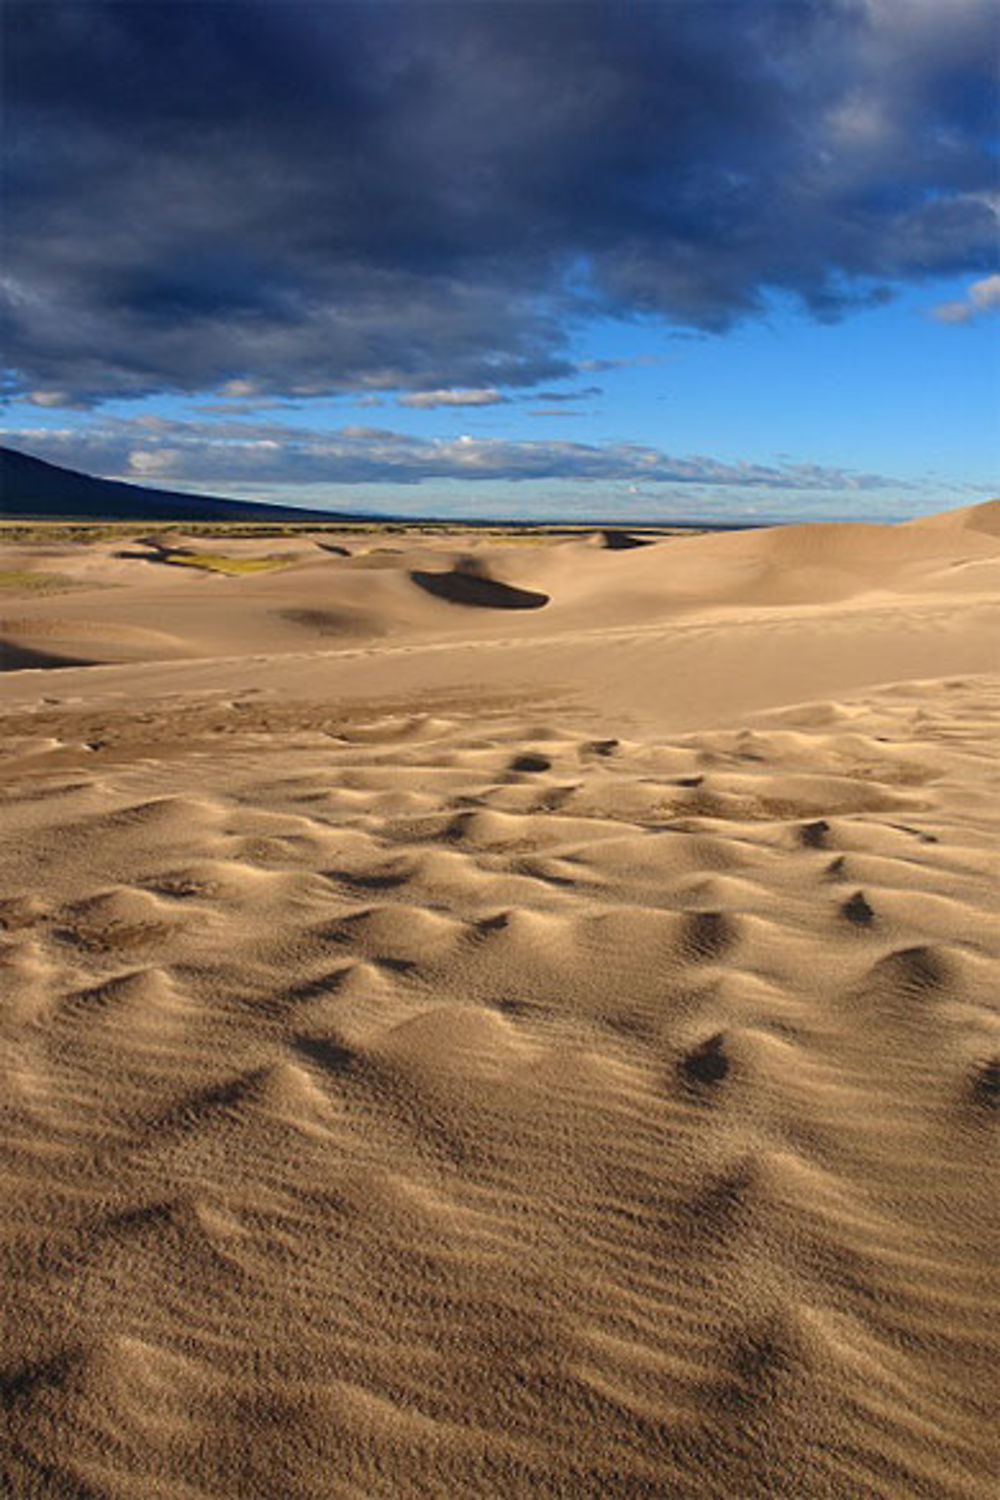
528	1035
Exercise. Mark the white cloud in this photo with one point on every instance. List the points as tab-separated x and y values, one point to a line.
153	460
226	456
48	398
54	398
981	297
238	389
486	396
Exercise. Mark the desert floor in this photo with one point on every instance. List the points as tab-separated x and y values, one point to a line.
501	1017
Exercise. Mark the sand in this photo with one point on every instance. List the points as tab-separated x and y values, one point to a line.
528	1035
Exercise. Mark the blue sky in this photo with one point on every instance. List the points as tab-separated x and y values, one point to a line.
671	260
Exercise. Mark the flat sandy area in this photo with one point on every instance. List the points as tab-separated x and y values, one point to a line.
500	1017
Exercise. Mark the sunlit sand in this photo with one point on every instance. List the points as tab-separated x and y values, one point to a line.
501	1017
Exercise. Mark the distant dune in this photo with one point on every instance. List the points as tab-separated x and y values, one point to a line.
455	1048
159	597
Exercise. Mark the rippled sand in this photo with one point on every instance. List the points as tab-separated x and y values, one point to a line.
545	1053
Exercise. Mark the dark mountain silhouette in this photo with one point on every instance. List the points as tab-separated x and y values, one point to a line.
31	489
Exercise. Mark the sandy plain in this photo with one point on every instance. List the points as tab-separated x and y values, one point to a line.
501	1017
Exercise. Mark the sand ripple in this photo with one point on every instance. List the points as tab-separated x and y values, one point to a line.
452	1105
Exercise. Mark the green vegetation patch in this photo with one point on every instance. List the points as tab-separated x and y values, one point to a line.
215	562
28	581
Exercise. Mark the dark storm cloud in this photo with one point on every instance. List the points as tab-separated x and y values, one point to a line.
237	454
370	196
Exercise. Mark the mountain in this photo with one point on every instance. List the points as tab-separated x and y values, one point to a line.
31	489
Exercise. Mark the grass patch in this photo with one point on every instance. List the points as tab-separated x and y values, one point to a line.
68	530
28	581
216	562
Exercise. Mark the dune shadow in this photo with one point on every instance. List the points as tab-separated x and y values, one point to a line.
469	588
621	541
325	1053
15	658
336	622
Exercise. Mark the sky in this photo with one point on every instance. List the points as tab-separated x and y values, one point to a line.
733	260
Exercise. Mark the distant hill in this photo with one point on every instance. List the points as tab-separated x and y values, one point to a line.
31	489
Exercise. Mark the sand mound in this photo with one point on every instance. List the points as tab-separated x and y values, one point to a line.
984	517
25	642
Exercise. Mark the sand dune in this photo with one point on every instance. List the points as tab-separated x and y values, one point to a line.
441	588
544	1052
